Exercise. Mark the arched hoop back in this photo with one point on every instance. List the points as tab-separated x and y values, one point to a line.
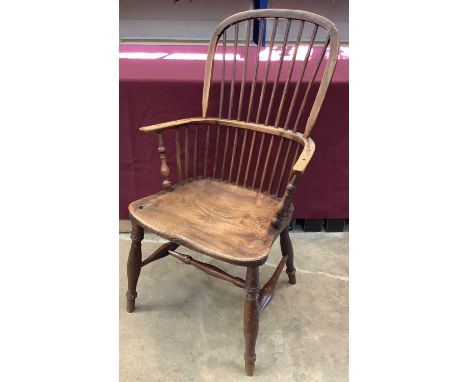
247	73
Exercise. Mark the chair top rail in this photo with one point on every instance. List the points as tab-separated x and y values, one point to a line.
321	21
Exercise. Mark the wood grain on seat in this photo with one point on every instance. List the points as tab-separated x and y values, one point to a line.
218	219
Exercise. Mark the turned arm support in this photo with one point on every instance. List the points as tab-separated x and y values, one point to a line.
158	129
209	269
285	203
166	183
298	169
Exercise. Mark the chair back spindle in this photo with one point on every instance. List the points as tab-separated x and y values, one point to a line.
292	34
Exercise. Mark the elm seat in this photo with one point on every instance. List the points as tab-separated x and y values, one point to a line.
218	219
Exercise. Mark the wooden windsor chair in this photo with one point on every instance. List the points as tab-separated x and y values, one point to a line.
237	171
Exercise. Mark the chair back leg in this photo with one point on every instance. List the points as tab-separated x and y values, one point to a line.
287	249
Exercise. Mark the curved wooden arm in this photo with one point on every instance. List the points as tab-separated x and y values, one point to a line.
168	125
305	157
307	143
298	169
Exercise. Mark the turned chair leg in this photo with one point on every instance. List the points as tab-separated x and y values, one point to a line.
287	249
251	318
134	265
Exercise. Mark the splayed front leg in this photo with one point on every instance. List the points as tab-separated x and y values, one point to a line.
251	318
134	265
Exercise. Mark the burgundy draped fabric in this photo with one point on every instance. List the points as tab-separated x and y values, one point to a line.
164	83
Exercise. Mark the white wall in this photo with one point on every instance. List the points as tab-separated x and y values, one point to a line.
195	20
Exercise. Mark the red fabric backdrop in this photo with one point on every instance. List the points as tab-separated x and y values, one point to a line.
156	89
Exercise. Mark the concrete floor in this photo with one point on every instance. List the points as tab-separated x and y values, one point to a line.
188	326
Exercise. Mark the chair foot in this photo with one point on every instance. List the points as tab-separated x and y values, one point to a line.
130	303
249	367
251	318
287	250
134	266
292	277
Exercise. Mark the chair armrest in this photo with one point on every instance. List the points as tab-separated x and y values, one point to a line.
167	125
299	166
305	157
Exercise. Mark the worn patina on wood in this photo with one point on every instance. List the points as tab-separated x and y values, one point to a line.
231	203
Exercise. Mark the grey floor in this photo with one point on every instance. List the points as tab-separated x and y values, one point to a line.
188	326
